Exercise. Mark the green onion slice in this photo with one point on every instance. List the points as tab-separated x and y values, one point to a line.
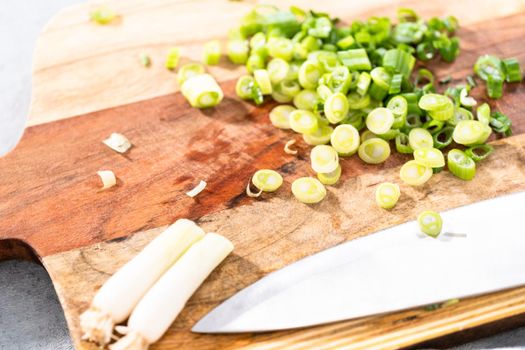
380	120
374	151
501	123
303	122
280	116
172	59
430	223
330	178
309	74
512	70
278	70
238	51
415	174
443	114
363	83
103	15
280	48
460	114
461	165
319	137
244	87
488	65
324	159
470	132
479	152
202	91
255	62
402	144
289	88
381	77
420	138
494	86
324	92
387	195
400	61
308	190
483	113
429	157
399	107
306	99
189	70
212	52
443	137
345	139
356	101
466	100
395	84
355	59
267	180
336	107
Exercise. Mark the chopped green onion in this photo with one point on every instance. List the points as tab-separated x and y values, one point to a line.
483	113
471	132
412	121
424	75
306	100
420	138
400	61
387	195
425	51
399	107
308	190
367	135
494	86
377	92
202	91
267	180
380	120
330	178
433	126
103	15
433	102
345	139
289	88
145	60
340	80
278	70
172	60
479	152
319	137
280	116
280	48
189	70
461	165
303	122
309	74
459	115
501	124
324	92
470	81
395	84
374	151
402	144
415	174
244	87
430	223
448	48
324	159
263	80
255	62
355	59
466	100
212	52
512	70
258	44
336	107
429	157
363	83
381	77
346	42
356	101
443	137
238	51
488	65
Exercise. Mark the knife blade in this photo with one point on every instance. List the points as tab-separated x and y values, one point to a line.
481	250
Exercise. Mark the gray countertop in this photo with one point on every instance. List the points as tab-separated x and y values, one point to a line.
30	315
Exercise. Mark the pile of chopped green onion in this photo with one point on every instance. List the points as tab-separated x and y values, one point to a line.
352	89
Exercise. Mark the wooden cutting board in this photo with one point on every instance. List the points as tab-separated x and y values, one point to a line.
88	83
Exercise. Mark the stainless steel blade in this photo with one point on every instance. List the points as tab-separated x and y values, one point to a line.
390	270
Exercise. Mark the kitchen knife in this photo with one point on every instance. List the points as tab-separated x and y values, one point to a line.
481	250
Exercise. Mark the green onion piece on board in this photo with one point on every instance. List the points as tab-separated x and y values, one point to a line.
255	62
488	65
355	59
420	138
483	113
512	70
262	78
465	99
425	52
289	88
434	102
460	114
494	86
306	99
324	92
308	190
471	132
346	42
202	91
479	152
430	223
387	195
319	137
356	101
280	48
244	87
309	74
403	145
415	174
381	77
367	135
211	52
433	126
324	159
500	123
278	70
461	165
395	84
471	82
238	51
258	45
399	107
172	59
103	15
145	60
380	120
363	83
345	139
374	151
412	121
189	70
280	116
443	137
303	122
336	108
443	114
267	180
330	178
429	157
399	61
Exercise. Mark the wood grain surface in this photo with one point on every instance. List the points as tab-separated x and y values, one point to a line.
88	83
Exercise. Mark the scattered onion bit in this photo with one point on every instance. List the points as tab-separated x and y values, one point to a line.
287	149
249	192
117	142
108	178
198	189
